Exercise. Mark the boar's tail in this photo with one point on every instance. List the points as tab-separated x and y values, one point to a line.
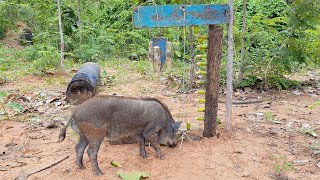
62	134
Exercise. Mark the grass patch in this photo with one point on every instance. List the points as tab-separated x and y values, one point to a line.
281	163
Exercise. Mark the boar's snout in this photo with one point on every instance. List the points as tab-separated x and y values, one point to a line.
173	145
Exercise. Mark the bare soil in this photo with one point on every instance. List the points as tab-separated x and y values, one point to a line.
272	139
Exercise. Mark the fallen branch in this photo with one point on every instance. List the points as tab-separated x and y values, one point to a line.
244	102
24	176
247	102
301	162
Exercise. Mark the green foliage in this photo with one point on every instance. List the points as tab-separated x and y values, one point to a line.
316	104
281	83
249	81
304	35
2	95
279	38
282	163
11	12
278	82
309	131
269	117
15	106
132	175
43	57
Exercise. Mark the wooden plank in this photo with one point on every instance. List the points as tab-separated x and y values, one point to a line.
215	34
180	15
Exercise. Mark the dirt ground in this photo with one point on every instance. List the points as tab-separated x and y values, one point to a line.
275	138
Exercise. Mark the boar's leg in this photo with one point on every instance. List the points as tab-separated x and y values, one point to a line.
80	147
156	147
93	149
141	142
151	133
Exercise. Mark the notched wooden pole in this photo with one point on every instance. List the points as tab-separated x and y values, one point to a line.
215	34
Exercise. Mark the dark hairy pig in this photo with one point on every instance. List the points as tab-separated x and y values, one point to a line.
120	117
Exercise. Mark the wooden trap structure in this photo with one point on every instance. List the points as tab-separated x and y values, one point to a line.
194	15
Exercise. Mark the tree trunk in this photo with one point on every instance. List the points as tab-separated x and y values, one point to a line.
244	21
61	40
79	22
215	34
228	113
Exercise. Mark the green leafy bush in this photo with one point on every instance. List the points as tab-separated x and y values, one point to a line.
43	57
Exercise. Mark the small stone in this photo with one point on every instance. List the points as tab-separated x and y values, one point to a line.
238	151
237	94
297	93
42	94
66	107
266	106
163	79
11	144
306	126
39	103
247	89
247	129
316	153
259	115
274	131
50	124
309	90
57	103
277	122
245	174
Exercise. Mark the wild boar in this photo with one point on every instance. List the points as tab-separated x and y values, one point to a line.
114	117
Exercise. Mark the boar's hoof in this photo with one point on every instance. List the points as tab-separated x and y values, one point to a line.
144	155
161	157
81	167
99	173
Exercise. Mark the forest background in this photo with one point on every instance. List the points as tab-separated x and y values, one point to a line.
273	38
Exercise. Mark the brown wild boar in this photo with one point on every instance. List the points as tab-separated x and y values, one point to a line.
118	117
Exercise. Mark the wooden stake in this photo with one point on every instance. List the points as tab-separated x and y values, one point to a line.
156	59
151	55
215	34
168	61
229	70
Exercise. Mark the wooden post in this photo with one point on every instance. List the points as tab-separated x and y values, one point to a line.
168	61
151	55
229	69
156	58
215	34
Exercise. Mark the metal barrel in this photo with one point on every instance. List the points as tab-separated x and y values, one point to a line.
84	83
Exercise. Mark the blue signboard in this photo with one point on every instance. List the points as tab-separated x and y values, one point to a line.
180	15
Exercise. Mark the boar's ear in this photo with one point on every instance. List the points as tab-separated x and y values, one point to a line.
176	125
